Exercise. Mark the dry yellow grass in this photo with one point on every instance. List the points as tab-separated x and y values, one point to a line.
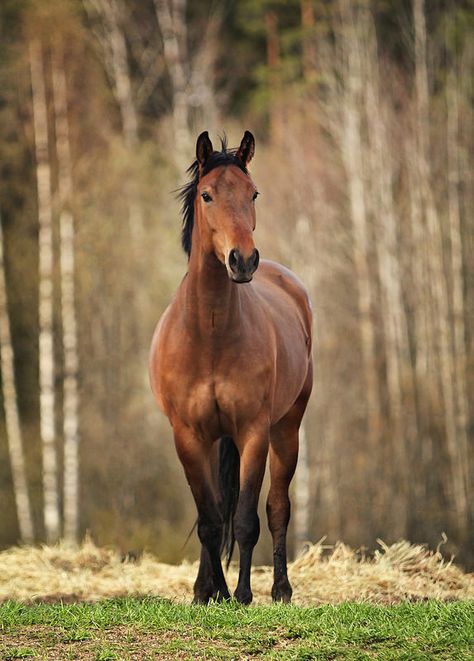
399	572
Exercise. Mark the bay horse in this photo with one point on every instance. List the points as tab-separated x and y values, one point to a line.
230	366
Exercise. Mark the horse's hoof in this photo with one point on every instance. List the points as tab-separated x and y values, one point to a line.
204	595
243	596
201	600
282	592
222	596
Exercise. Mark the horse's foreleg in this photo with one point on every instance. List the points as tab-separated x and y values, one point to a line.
196	460
253	453
204	587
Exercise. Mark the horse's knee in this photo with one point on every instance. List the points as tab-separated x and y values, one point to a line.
210	534
278	511
247	528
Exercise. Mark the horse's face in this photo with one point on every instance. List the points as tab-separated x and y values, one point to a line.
226	211
226	197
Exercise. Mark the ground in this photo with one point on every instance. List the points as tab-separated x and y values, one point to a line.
405	603
150	628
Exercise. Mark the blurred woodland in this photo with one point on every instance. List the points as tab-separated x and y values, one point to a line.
363	114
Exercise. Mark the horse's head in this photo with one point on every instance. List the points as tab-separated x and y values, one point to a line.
225	206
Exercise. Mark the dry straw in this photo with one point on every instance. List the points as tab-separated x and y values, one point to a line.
322	574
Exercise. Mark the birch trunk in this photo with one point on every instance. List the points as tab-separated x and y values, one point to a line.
69	336
302	497
393	312
439	293
274	78
111	12
353	163
46	354
457	272
171	18
420	296
304	261
116	61
309	49
203	75
466	181
12	420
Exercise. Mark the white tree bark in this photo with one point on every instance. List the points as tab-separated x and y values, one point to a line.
112	40
439	289
393	312
171	18
69	336
304	261
354	166
12	420
302	494
114	47
457	272
201	95
46	353
309	50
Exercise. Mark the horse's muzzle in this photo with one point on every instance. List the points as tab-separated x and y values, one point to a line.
240	269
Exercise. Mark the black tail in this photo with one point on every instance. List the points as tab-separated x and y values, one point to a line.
229	486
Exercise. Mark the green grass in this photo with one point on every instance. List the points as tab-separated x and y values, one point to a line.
158	629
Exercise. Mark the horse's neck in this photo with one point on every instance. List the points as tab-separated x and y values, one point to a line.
212	300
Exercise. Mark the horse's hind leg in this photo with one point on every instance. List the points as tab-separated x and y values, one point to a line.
196	460
283	457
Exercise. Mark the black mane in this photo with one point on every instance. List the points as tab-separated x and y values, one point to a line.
187	193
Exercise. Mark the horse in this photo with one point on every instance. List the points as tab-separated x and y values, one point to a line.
231	368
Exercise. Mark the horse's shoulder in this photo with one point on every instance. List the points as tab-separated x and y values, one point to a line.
281	276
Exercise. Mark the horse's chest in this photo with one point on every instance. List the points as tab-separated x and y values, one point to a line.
215	395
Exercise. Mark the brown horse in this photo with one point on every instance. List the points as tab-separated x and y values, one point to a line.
230	366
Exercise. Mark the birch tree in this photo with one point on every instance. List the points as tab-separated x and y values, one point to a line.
171	17
110	34
309	50
274	77
396	343
202	98
352	154
12	419
46	353
69	326
457	270
303	257
439	293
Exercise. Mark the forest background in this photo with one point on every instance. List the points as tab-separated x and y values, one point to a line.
363	114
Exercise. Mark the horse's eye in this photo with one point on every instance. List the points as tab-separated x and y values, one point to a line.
206	197
255	195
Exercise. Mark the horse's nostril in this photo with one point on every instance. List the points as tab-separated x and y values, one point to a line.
233	259
255	258
241	266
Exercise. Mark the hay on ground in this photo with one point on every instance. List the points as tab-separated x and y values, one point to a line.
396	573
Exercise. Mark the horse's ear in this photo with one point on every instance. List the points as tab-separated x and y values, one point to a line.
203	149
247	148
